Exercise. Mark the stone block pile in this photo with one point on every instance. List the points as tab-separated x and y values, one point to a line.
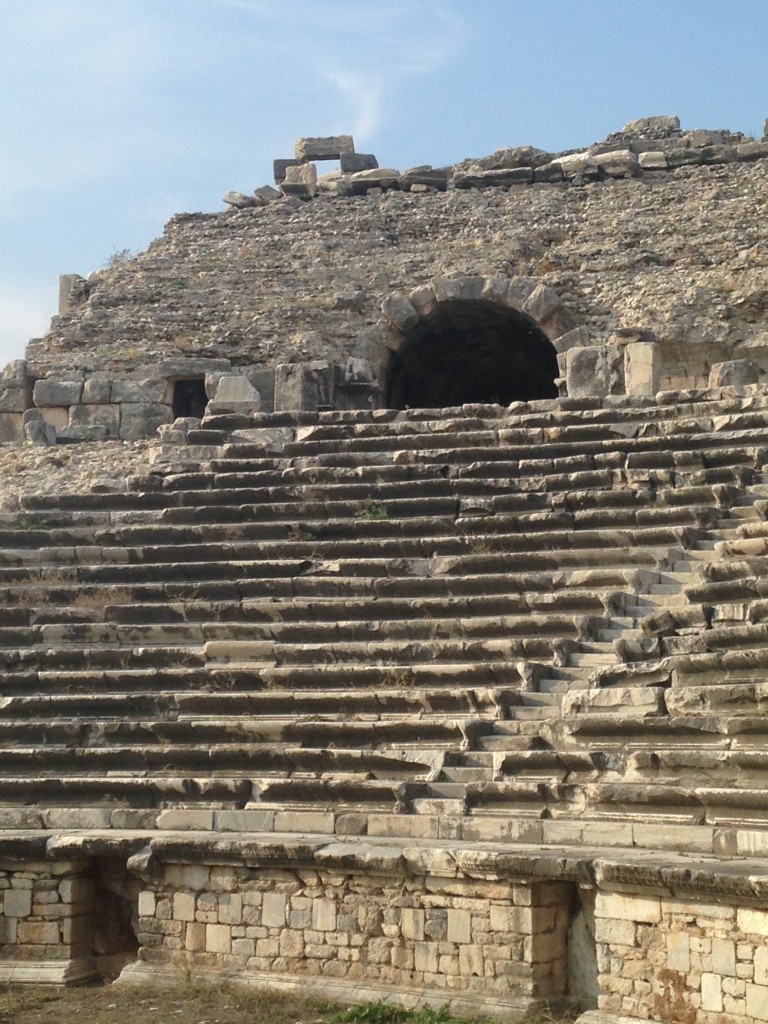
645	146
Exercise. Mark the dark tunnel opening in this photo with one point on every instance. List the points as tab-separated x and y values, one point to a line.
472	351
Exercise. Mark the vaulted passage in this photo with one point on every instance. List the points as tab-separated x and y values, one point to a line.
472	351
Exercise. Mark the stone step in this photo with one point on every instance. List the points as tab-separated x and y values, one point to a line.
92	564
307	631
454	559
160	703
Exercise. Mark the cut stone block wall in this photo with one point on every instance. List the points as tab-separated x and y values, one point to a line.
676	960
507	938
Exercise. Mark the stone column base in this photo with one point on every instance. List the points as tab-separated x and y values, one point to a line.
460	1004
48	972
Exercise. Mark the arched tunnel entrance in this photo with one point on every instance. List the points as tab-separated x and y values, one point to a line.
472	351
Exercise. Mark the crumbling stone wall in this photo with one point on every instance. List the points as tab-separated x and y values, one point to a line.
649	236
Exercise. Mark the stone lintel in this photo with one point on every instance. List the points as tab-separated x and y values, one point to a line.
327	147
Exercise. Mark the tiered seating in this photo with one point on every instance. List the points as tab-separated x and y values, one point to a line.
482	613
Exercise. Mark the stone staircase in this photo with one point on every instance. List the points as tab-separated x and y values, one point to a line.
433	624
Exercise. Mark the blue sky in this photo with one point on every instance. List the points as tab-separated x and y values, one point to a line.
115	114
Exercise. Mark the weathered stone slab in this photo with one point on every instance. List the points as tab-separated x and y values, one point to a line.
97	391
234	393
642	368
352	163
107	416
734	372
239	200
15	399
52	392
279	168
664	123
620	163
380	177
11	426
300	181
305	386
265	195
141	419
329	147
150	390
501	177
437	179
653	160
594	370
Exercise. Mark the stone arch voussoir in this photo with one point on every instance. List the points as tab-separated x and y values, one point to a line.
530	299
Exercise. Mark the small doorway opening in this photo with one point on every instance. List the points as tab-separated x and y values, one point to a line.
115	917
471	351
189	398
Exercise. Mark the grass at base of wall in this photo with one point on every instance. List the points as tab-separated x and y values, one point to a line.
224	1004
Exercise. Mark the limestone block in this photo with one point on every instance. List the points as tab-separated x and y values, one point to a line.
379	177
328	147
52	392
69	286
412	923
459	926
718	154
752	151
575	163
757	1002
273	910
15	399
11	426
147	903
643	909
450	289
683	157
194	937
239	200
304	386
678	951
724	957
218	938
502	177
183	906
471	961
711	993
153	389
352	163
429	176
35	428
734	372
141	419
542	303
17	903
550	173
97	391
752	922
642	368
185	819
15	375
426	957
399	311
653	160
300	181
324	915
618	163
279	168
234	393
107	416
188	876
265	195
594	371
664	123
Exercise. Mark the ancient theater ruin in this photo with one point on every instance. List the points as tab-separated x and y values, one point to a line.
384	611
